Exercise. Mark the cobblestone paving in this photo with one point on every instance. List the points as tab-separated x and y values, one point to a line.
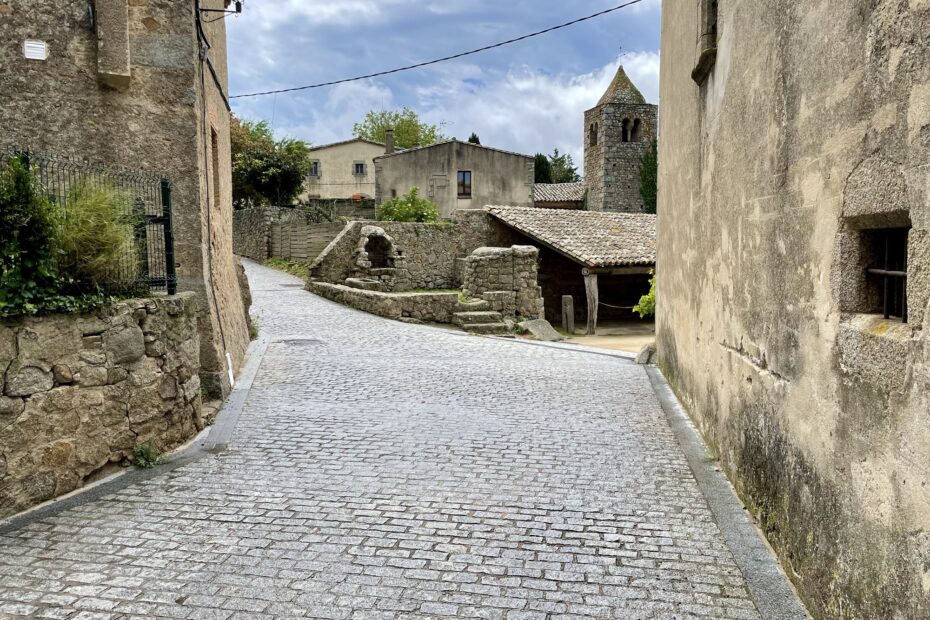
385	470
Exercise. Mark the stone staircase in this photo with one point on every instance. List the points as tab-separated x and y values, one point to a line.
476	317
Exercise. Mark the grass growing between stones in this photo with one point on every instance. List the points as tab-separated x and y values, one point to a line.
146	456
295	268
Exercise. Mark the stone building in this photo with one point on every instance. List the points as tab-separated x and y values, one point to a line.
456	175
618	132
343	169
794	279
142	85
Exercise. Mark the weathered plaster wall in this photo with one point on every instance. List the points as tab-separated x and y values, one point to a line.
81	391
162	120
813	126
337	178
498	177
426	307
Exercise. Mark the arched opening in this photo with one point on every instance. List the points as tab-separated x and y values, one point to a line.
625	130
637	134
379	253
593	135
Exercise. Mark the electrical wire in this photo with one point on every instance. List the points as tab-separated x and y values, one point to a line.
446	58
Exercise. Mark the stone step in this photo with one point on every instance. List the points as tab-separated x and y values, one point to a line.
471	318
488	329
472	305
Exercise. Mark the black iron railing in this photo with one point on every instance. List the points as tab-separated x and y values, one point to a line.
148	262
893	272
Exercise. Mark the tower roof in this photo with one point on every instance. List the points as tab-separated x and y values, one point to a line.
622	90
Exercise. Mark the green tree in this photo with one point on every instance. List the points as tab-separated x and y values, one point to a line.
543	170
265	170
474	139
563	168
647	303
649	178
408	208
409	132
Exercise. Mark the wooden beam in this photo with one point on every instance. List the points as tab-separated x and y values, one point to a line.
590	287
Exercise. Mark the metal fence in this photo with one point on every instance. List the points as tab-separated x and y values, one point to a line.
148	261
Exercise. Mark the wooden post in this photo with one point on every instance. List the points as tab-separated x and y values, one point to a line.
568	314
590	287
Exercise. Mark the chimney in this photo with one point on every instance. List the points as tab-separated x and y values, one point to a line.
388	141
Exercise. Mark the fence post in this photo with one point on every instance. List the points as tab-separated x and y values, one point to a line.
171	274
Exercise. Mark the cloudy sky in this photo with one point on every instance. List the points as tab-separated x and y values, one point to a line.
528	97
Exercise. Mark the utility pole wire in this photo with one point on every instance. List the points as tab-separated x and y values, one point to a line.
446	58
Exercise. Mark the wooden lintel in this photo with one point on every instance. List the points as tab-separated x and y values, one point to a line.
623	271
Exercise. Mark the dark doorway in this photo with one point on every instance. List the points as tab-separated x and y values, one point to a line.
379	253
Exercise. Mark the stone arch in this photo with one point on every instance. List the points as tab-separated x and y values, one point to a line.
625	130
636	134
380	252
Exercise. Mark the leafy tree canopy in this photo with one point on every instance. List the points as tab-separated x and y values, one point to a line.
265	170
409	132
649	178
563	168
543	170
474	139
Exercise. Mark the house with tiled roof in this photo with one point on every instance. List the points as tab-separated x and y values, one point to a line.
602	260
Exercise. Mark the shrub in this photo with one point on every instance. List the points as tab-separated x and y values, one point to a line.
649	178
408	208
96	239
28	222
146	456
647	303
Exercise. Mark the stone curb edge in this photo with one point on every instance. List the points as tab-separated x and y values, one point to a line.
772	591
216	440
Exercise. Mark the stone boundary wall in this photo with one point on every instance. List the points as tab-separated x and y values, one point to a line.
430	250
80	392
513	271
425	307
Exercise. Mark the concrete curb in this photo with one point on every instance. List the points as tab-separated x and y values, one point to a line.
216	440
772	592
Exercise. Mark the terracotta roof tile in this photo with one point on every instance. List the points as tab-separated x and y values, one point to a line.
558	192
592	238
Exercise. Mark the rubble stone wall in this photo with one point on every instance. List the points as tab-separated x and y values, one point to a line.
80	392
514	269
419	307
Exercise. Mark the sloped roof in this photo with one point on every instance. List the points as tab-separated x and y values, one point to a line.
349	141
558	192
592	238
622	90
450	141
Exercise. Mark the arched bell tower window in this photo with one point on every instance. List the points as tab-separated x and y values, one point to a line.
592	138
625	130
637	133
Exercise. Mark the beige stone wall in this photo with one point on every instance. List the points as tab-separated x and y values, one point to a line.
812	128
159	121
80	392
498	177
337	179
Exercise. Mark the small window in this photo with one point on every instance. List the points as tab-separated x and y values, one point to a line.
593	136
464	183
887	273
637	133
315	168
625	130
358	168
393	193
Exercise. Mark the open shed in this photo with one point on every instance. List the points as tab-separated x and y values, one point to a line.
603	260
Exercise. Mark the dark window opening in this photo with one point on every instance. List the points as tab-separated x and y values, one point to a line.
359	169
625	130
464	184
379	253
711	19
393	193
637	133
887	271
593	136
315	168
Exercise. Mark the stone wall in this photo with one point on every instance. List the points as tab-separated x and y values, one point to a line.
810	134
164	112
81	391
430	250
425	307
251	233
510	270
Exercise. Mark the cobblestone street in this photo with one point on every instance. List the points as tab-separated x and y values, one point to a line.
388	470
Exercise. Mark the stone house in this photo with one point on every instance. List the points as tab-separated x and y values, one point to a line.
343	170
794	279
456	175
141	85
618	132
